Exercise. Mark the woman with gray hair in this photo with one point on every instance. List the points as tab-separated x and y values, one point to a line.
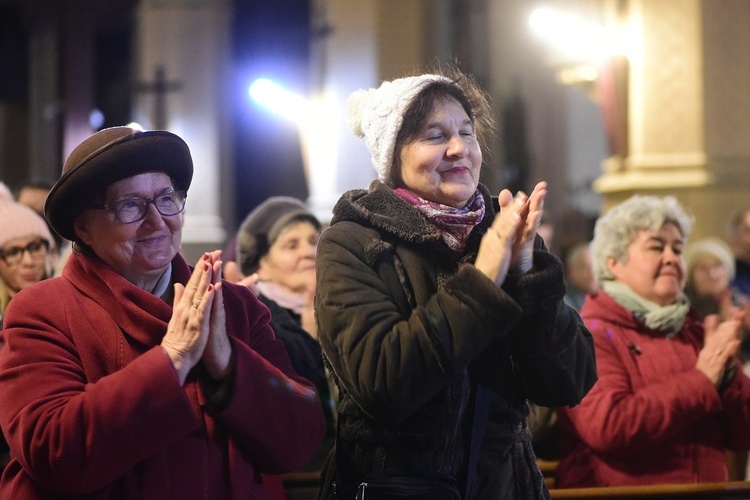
671	396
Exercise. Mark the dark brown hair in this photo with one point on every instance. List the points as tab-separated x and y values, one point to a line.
464	89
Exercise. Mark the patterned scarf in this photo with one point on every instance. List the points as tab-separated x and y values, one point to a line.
454	224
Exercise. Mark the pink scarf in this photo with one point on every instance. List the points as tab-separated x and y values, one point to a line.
454	224
282	296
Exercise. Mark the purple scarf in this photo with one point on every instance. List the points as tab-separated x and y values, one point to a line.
454	224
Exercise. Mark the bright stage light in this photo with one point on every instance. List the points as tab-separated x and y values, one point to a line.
279	100
576	38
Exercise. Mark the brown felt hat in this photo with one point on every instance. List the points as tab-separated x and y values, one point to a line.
108	156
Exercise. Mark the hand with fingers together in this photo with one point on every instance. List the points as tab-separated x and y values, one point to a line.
509	243
720	348
522	258
188	329
218	354
233	273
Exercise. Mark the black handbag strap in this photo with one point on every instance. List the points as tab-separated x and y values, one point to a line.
479	421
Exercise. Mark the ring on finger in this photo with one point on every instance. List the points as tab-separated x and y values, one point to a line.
195	306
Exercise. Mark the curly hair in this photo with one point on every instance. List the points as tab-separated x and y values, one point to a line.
617	229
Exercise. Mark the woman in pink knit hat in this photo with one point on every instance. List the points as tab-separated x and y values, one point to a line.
24	244
24	248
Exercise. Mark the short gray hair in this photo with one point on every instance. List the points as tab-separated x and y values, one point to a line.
617	229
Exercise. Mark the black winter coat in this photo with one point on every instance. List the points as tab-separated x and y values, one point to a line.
411	333
307	360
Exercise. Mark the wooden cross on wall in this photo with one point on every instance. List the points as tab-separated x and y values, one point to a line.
160	87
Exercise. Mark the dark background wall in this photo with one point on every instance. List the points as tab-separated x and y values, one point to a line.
271	40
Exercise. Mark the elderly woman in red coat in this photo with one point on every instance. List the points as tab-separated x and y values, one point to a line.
671	396
133	375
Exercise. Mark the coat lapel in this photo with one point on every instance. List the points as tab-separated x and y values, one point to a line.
139	314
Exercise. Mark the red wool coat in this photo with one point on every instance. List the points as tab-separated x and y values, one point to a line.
652	418
92	407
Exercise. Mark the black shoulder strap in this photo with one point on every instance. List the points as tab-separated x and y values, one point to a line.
479	421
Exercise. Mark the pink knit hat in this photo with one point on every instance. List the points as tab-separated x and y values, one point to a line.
19	221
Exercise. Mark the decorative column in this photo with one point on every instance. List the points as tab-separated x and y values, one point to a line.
688	104
182	64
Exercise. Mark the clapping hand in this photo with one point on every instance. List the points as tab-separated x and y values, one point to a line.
197	329
720	346
218	354
522	258
233	274
509	244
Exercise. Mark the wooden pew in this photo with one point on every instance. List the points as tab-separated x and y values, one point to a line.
713	491
304	486
301	485
548	468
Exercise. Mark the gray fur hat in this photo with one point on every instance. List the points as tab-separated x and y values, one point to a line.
264	224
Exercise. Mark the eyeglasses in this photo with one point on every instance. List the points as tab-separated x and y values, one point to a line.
14	255
135	209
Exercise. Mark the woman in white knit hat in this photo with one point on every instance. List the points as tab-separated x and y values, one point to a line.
439	309
25	242
710	270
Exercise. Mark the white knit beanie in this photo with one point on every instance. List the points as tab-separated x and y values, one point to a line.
377	116
713	247
19	221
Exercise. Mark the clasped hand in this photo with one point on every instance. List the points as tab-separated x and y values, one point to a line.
509	243
233	274
720	346
197	330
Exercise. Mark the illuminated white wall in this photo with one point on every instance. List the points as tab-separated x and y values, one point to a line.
190	39
342	62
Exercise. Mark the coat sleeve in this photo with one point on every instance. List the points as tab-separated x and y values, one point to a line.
736	411
553	352
392	359
61	425
616	419
273	414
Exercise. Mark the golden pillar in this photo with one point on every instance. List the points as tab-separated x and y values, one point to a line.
687	109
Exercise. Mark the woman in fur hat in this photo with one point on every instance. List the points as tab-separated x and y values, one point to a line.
439	309
134	375
276	247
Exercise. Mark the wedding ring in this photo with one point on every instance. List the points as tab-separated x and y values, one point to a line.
195	305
